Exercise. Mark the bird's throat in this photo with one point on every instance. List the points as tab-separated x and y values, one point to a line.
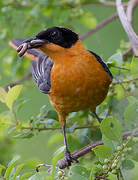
59	54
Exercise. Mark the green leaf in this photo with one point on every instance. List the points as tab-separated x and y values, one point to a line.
128	164
45	113
132	99
1	168
49	121
40	176
79	173
88	20
134	66
131	113
51	114
119	92
92	173
31	164
135	156
112	129
10	167
26	134
3	95
108	142
73	142
11	129
12	95
102	151
18	169
25	176
111	67
60	150
72	128
134	153
113	176
19	104
14	160
77	177
57	156
55	138
116	58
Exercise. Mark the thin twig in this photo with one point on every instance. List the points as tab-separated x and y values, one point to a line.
16	4
45	128
130	9
125	91
127	27
126	81
26	77
81	152
121	175
120	68
53	128
100	177
14	117
99	26
108	3
118	177
125	53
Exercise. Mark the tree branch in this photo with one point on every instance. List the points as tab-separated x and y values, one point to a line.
126	81
26	77
129	12
63	163
125	53
109	3
125	91
53	128
99	26
127	26
117	67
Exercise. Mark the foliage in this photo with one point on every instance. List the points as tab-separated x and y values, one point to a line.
118	156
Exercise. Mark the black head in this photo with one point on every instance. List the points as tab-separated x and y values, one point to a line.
58	35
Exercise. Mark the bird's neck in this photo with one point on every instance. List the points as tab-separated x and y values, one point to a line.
67	54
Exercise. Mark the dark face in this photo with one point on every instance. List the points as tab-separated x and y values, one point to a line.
60	36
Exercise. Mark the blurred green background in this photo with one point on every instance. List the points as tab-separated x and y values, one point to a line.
22	18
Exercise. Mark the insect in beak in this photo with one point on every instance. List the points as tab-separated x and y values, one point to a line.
30	44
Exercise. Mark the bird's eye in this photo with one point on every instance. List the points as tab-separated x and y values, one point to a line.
55	33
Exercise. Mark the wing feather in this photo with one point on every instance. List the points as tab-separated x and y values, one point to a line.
41	70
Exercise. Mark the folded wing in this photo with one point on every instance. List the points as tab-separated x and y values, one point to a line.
41	70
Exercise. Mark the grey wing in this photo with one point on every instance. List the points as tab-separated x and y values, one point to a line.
41	70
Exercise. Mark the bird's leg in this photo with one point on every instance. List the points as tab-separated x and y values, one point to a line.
68	155
97	117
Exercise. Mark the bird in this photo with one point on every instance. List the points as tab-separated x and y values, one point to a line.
73	77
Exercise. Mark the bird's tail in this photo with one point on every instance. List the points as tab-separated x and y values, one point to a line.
31	53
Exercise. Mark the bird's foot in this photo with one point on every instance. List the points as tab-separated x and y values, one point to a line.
69	158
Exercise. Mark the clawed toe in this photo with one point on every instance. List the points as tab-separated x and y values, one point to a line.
69	158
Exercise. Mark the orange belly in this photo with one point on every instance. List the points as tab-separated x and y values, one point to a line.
78	85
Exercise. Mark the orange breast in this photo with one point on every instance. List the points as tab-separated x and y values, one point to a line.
77	83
